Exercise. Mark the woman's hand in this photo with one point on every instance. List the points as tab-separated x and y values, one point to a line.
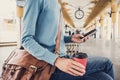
70	66
76	38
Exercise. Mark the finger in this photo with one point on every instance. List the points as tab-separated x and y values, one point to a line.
77	68
72	72
81	40
87	37
69	72
78	40
84	39
77	64
79	35
75	72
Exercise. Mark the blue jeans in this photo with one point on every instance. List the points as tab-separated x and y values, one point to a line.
98	68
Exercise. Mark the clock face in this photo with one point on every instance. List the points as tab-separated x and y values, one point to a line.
79	14
21	3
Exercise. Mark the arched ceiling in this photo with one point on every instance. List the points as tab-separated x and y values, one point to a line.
91	8
72	5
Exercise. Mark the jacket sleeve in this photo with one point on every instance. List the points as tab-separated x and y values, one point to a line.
32	10
67	39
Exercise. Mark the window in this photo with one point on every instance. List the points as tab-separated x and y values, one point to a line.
8	31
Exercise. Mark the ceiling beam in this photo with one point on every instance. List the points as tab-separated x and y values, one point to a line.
66	15
99	7
90	8
119	4
94	2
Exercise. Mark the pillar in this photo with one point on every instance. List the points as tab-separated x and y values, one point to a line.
108	26
115	15
119	25
97	24
19	14
102	26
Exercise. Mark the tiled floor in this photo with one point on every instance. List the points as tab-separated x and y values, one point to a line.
97	47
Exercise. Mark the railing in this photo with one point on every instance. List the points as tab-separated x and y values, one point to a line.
4	44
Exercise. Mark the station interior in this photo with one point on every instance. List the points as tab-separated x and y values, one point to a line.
80	16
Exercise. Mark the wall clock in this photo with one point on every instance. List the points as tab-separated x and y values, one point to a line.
79	14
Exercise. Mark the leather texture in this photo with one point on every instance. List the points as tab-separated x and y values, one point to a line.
21	65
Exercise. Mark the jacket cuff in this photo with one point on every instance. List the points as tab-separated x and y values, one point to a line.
49	57
67	39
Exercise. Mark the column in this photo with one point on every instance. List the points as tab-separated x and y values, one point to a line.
97	24
119	24
115	15
108	26
19	13
102	26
